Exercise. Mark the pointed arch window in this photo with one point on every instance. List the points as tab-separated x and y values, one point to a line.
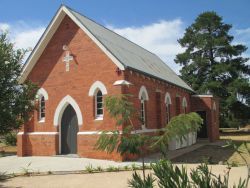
42	97
143	97
184	105
42	108
143	117
99	105
168	106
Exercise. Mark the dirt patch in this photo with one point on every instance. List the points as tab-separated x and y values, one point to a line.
7	150
237	136
209	153
103	180
214	154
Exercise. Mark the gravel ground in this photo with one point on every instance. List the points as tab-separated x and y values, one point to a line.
103	180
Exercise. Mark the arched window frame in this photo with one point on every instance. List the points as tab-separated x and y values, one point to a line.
99	105
168	107
184	105
143	97
95	87
42	97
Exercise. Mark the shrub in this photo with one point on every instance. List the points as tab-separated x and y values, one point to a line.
172	176
112	169
126	167
99	169
89	168
10	139
138	182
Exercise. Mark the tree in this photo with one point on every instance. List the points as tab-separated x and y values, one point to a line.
130	142
16	100
212	64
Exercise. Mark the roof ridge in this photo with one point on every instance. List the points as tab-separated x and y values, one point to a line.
149	70
110	30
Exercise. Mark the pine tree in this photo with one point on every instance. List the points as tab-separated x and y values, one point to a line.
16	100
212	64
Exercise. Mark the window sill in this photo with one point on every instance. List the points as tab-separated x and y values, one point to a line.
98	118
41	121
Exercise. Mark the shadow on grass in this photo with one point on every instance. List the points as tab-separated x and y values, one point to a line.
212	154
6	154
7	150
209	153
5	178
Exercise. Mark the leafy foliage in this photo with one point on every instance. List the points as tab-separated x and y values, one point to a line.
175	177
170	176
138	182
128	142
211	64
120	108
16	100
10	139
178	127
89	168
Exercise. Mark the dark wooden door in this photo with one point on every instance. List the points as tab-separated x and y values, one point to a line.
203	131
69	129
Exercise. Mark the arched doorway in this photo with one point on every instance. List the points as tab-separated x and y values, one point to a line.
69	129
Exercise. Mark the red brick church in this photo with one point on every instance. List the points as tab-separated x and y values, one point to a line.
76	64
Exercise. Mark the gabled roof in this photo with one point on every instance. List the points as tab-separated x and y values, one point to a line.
124	53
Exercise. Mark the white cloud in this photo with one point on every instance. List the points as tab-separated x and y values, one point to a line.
4	26
159	38
243	31
23	35
242	36
28	38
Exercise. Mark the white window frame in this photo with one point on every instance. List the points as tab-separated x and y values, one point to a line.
98	116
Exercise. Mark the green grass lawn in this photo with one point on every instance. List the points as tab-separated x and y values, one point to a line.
216	154
7	150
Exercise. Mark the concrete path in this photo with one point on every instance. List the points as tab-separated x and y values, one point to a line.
14	164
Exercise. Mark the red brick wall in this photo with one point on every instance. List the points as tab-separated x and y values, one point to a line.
155	88
89	65
86	143
205	103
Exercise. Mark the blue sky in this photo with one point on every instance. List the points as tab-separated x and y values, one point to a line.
153	24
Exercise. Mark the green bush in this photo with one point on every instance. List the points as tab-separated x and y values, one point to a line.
10	139
138	182
169	175
89	168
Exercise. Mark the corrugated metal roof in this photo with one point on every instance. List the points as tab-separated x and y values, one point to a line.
130	54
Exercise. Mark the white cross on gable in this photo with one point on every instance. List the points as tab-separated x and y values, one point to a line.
67	58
